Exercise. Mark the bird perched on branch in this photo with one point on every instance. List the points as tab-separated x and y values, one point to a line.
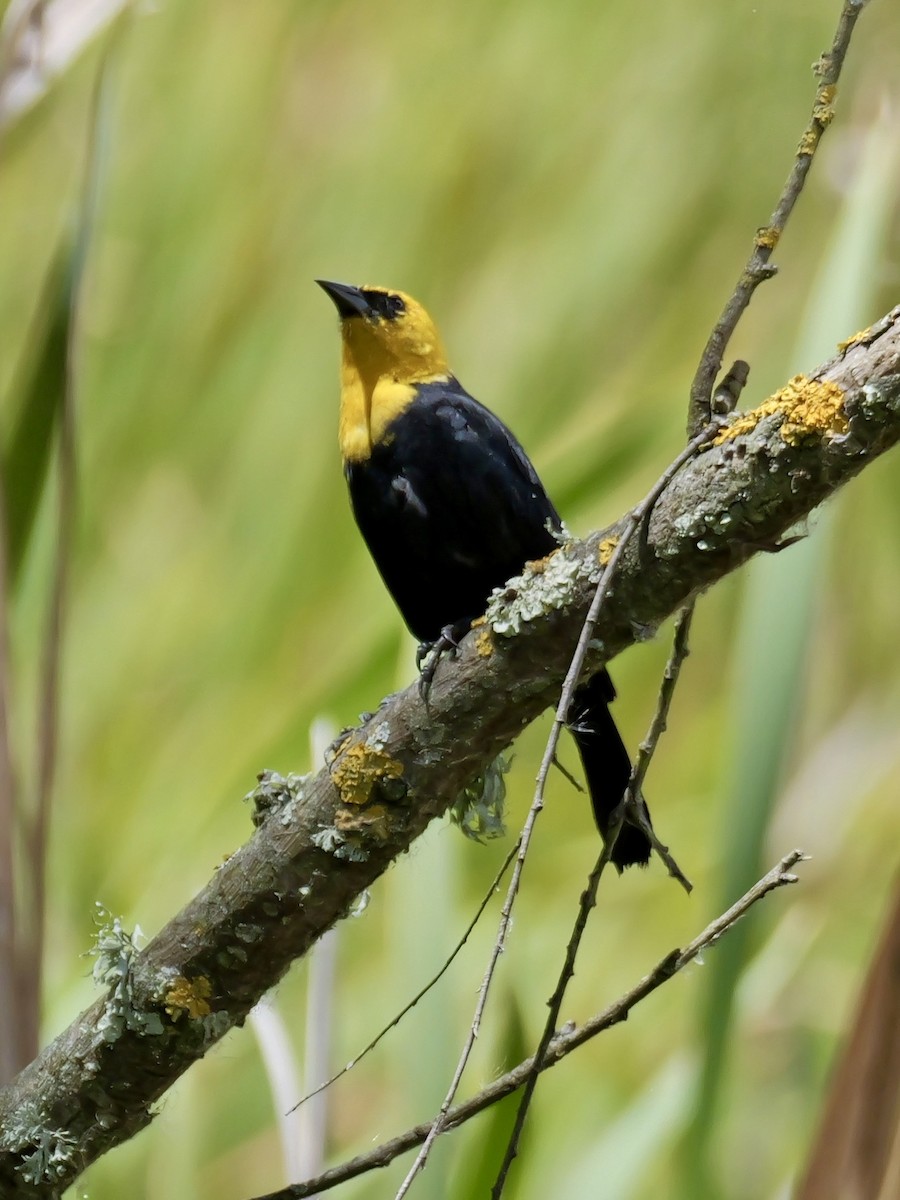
450	505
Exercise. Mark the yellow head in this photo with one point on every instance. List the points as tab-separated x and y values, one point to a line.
390	344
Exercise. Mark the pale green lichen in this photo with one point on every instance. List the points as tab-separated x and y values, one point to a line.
248	933
47	1153
327	838
332	842
276	792
215	1025
51	1159
113	951
544	586
377	739
560	533
479	808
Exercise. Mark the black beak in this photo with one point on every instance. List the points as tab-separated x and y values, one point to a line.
349	301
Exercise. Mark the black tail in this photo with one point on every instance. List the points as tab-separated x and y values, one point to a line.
607	766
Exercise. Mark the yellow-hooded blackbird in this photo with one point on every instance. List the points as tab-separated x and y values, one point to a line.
450	505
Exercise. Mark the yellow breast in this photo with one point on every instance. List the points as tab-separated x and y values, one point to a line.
365	415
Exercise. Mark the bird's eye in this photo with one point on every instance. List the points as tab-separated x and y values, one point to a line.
385	304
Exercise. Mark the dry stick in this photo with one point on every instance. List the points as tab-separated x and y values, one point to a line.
424	991
757	269
563	1043
567	774
629	805
632	523
725	399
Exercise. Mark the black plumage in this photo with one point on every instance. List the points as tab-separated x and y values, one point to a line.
451	507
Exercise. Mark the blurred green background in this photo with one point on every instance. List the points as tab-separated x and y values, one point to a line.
572	190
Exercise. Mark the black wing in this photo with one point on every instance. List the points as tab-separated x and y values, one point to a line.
450	507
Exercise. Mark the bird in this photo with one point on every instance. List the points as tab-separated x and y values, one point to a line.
451	507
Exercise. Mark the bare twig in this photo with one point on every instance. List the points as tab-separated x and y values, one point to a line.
392	1024
631	808
567	774
757	269
728	391
634	520
563	1043
631	800
521	849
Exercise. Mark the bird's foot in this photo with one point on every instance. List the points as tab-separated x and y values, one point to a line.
429	654
333	749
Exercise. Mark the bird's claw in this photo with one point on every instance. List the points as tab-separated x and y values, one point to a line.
429	654
333	749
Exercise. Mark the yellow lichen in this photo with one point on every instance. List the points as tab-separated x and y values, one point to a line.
484	643
809	142
856	337
373	821
537	566
605	549
810	407
767	237
189	996
823	111
816	409
359	769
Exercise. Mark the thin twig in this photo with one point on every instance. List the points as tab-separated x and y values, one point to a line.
757	269
633	521
567	1040
586	903
728	391
631	800
629	808
424	991
521	849
567	774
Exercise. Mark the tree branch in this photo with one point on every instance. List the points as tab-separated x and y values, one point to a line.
324	839
758	269
563	1043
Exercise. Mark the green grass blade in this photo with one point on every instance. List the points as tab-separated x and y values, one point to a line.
37	400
